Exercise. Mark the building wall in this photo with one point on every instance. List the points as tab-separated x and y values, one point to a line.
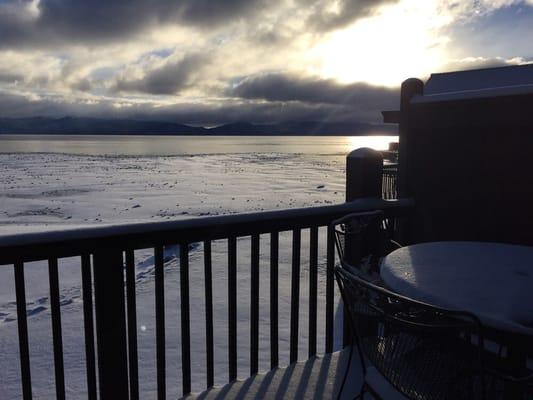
470	169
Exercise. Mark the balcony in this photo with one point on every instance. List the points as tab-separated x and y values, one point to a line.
305	360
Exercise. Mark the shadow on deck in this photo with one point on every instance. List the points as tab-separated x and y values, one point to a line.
317	378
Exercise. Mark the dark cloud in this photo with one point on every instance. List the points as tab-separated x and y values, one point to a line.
229	110
281	87
207	12
95	21
16	105
83	85
265	98
168	79
270	36
8	77
324	18
101	20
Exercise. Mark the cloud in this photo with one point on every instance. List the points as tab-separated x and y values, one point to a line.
9	77
207	113
83	85
51	22
48	22
282	87
468	9
481	62
330	15
166	79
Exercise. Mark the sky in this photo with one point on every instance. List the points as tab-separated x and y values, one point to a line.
205	62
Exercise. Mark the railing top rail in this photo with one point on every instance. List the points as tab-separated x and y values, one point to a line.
76	241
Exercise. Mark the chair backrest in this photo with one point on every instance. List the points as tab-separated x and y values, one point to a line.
359	236
425	352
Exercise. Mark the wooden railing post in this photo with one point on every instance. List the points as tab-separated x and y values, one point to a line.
410	88
364	171
110	324
364	178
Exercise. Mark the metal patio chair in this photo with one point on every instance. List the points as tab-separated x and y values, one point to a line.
362	239
499	378
411	348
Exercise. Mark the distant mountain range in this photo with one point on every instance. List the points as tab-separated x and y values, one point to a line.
95	126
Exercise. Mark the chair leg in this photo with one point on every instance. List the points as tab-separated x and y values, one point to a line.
368	389
362	392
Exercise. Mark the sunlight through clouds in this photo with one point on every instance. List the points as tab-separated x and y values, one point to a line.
403	40
385	49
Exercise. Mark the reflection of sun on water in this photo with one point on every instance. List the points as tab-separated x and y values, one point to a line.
374	142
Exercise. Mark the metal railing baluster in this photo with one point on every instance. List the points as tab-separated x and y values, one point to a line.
23	331
160	322
56	328
254	306
330	263
295	294
185	319
208	279
132	325
313	258
232	307
88	324
274	266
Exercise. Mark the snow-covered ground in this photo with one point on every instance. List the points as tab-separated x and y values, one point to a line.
56	190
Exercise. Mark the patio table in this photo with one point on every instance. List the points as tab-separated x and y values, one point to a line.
494	281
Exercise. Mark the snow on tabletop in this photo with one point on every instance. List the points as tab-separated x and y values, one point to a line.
492	280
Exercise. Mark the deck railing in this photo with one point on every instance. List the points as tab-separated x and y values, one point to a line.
107	254
390	180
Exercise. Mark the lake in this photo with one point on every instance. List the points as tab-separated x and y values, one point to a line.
180	145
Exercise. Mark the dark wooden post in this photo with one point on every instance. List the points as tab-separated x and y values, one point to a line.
364	170
110	324
364	178
410	88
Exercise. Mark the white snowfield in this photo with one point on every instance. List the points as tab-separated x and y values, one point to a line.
41	191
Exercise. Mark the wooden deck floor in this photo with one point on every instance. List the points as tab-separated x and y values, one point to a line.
317	378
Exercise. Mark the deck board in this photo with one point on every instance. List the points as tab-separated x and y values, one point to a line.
317	378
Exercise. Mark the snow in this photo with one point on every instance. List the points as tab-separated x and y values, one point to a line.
479	79
43	191
474	94
478	84
491	280
53	189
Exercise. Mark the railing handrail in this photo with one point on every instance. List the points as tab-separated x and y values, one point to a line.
392	165
73	242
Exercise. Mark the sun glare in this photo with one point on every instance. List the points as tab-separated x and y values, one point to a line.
374	142
401	42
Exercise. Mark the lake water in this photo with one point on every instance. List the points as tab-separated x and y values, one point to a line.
180	145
